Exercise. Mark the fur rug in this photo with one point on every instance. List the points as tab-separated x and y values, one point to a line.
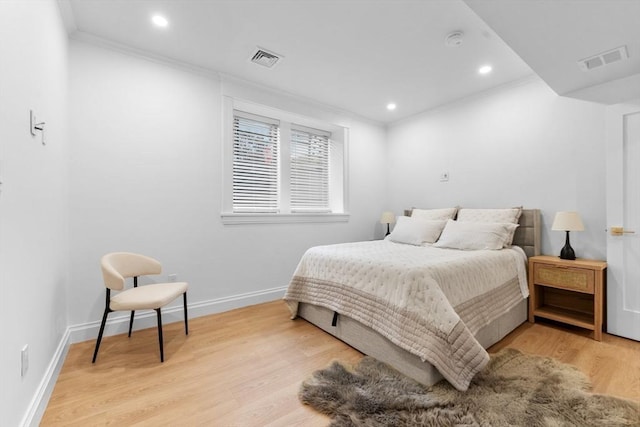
514	390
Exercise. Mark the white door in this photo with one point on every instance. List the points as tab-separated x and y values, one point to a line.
623	213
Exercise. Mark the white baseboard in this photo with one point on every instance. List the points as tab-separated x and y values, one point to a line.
118	324
38	404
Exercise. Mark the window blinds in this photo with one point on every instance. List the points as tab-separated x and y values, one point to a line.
309	170
255	163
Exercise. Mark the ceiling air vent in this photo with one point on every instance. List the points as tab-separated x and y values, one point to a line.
265	58
604	58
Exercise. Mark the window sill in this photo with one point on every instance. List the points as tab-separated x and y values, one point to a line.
297	218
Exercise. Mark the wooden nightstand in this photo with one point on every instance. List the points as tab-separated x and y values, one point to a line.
567	291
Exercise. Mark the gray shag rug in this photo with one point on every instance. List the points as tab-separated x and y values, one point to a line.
513	390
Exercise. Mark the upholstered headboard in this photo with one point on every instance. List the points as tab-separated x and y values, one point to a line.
527	235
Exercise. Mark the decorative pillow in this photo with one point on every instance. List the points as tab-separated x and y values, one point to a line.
489	215
416	231
434	214
475	235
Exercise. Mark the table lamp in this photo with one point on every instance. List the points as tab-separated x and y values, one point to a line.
567	221
388	218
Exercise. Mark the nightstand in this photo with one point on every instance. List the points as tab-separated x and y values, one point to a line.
567	291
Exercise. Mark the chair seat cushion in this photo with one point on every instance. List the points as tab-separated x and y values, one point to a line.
147	296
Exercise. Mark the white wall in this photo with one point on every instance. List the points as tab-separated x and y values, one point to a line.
146	177
33	198
516	145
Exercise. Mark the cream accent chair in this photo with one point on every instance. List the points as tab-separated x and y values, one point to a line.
118	266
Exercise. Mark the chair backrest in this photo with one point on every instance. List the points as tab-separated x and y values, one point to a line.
117	266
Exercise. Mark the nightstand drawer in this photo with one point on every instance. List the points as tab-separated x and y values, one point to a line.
577	279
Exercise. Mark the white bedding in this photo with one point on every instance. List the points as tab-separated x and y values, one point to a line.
421	298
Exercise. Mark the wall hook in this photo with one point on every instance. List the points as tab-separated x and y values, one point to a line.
35	125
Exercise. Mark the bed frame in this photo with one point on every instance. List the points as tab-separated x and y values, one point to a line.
367	341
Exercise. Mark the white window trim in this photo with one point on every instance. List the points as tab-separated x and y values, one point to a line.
235	218
338	198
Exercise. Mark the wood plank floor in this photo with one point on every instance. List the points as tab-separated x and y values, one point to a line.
244	368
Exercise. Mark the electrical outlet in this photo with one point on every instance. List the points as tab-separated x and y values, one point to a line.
444	176
173	277
24	360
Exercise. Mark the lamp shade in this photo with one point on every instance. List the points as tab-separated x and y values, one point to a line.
388	218
567	221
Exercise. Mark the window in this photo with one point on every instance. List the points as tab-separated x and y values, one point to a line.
309	170
255	164
282	168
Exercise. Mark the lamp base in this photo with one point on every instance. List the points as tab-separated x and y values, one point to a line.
567	251
388	232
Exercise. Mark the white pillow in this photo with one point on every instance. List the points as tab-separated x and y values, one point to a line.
475	235
416	231
434	214
511	215
489	215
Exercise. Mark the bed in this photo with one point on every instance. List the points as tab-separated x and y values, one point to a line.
358	294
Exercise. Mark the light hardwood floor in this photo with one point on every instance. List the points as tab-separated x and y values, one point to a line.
244	368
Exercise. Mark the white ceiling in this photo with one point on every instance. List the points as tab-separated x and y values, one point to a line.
552	36
359	55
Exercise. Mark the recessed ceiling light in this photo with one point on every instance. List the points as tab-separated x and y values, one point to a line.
160	21
485	69
391	106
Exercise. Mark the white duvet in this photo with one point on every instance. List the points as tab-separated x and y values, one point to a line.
409	294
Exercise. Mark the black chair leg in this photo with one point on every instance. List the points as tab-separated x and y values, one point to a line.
131	322
107	301
160	335
104	321
186	321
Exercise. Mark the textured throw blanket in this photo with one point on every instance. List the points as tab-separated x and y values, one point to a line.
426	300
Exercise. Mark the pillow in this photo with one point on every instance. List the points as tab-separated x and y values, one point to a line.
475	235
416	231
511	215
489	215
434	214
